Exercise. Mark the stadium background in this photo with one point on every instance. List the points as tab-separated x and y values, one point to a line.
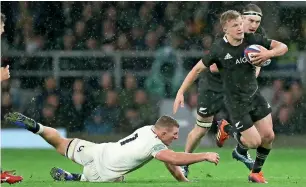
103	69
99	70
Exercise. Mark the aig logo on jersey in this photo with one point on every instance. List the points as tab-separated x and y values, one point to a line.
241	60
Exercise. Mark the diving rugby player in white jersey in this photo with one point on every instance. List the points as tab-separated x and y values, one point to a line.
109	162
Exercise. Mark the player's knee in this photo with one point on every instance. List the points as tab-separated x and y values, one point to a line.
268	137
253	143
204	124
198	131
61	147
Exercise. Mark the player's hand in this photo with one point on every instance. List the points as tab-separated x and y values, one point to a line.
213	68
5	73
212	157
179	101
261	57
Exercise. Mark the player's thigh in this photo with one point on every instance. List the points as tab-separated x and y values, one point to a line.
260	108
209	104
261	115
202	125
204	122
77	151
90	173
265	129
249	133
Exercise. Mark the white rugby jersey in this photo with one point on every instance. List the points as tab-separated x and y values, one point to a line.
130	153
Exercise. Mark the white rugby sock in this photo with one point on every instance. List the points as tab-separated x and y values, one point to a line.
41	129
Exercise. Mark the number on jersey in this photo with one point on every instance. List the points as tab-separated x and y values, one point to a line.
129	139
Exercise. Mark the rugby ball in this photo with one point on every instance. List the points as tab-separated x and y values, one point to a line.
251	50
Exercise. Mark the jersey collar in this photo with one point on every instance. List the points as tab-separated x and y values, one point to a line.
225	39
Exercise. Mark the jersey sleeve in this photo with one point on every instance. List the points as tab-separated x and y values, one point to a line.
261	40
211	57
157	148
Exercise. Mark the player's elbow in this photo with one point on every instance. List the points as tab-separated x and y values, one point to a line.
198	68
285	48
196	71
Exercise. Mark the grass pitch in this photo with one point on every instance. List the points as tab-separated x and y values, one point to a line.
284	168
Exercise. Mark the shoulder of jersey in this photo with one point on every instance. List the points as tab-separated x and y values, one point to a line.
146	129
250	37
261	31
247	35
216	44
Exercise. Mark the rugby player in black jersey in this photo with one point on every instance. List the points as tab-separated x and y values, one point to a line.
210	101
249	111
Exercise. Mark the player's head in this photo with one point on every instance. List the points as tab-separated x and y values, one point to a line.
2	23
232	24
167	129
251	15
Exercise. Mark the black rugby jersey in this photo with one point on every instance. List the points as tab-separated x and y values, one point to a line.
238	76
212	81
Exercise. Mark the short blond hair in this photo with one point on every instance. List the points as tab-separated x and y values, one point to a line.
166	122
228	16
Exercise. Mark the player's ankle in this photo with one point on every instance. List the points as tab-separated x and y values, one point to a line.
40	129
241	149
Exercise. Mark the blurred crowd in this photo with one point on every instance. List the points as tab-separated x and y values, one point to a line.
162	27
84	109
108	26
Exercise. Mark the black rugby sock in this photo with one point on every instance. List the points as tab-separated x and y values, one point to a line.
76	177
261	156
241	149
229	130
232	131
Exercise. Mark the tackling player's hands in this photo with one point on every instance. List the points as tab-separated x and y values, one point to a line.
212	157
179	101
5	73
259	58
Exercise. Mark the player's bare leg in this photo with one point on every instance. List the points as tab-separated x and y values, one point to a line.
265	129
195	135
49	134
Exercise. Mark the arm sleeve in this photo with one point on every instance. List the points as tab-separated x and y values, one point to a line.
261	40
211	57
157	147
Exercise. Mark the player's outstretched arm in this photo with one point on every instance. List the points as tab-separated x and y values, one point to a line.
189	80
176	172
180	158
278	48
